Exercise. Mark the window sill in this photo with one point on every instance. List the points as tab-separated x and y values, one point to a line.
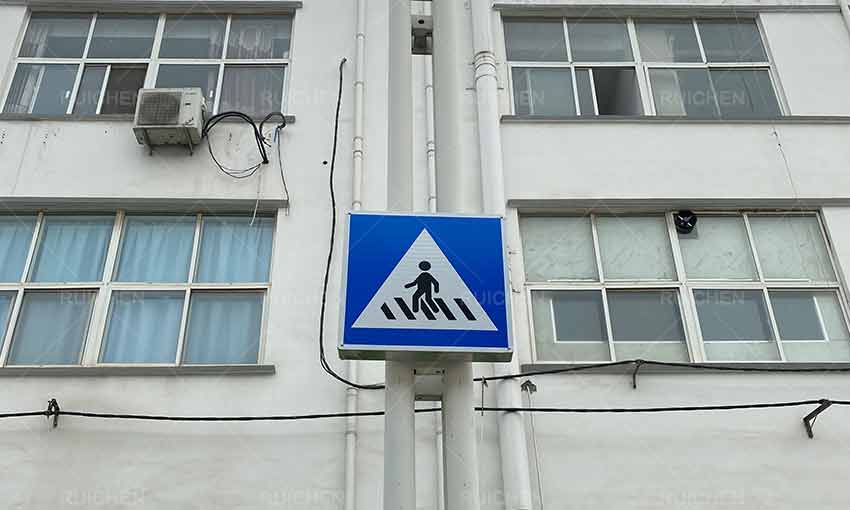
613	119
660	369
290	119
136	371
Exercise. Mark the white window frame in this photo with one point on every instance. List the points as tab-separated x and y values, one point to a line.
685	288
153	62
641	67
94	338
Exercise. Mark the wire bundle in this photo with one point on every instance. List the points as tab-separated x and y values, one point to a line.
259	137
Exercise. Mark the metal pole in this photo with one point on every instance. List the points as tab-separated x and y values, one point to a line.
400	140
460	450
399	438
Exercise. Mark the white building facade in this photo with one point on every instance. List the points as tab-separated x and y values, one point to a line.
153	283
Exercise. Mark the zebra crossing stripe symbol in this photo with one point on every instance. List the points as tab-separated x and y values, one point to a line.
424	291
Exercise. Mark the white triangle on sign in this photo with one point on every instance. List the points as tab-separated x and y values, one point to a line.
453	307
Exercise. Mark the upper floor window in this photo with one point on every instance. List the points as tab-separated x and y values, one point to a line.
134	288
740	287
674	67
86	64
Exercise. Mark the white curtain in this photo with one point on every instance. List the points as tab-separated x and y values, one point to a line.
72	248
51	328
224	327
15	237
259	37
156	249
234	251
143	327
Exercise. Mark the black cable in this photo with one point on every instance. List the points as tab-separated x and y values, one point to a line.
322	359
259	138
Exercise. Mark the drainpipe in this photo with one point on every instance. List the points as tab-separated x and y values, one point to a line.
356	204
430	146
845	13
516	477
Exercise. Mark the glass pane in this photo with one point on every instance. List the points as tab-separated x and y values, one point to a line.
15	239
535	40
122	36
233	250
56	35
732	41
617	91
6	301
559	248
259	37
72	249
254	90
797	315
41	89
791	248
579	316
585	92
811	325
156	249
143	327
122	89
645	316
193	37
599	41
735	325
681	92
635	247
91	85
744	94
718	248
57	341
179	76
543	92
224	327
667	41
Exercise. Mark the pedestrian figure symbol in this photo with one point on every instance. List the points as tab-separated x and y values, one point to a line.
440	298
424	283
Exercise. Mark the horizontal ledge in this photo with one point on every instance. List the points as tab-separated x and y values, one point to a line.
666	204
659	119
146	6
146	205
11	117
662	369
611	9
136	371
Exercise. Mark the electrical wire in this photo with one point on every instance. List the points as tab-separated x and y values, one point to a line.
259	137
322	358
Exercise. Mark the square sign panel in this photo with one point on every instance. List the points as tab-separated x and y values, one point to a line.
423	287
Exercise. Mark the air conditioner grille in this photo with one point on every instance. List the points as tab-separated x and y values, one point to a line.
160	108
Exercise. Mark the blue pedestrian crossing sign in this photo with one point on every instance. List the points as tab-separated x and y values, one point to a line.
425	286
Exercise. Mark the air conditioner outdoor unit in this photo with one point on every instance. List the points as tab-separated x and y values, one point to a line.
169	117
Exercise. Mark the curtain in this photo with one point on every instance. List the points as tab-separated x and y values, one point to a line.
51	328
635	247
234	251
123	36
156	249
143	327
193	37
224	327
72	248
56	36
254	90
259	37
15	237
23	88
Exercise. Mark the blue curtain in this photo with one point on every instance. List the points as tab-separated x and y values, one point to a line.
51	328
234	251
143	327
224	327
72	248
15	237
156	249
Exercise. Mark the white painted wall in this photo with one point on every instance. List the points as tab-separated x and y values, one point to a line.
700	461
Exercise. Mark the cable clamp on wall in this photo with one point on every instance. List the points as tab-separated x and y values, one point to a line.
638	363
53	410
810	419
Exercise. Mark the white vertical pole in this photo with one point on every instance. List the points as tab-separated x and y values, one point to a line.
399	438
460	450
516	475
400	140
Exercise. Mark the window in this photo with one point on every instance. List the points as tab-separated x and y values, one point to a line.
133	289
85	64
740	288
673	67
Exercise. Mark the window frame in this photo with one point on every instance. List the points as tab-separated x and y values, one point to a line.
642	68
94	341
685	288
152	62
